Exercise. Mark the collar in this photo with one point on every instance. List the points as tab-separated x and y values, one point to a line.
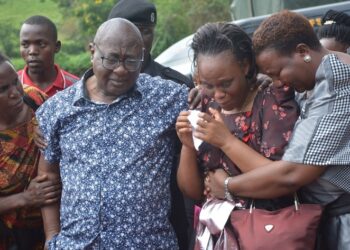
59	82
81	94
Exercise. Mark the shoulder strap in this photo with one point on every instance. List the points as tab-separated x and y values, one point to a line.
30	102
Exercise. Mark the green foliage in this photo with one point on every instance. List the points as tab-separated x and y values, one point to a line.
12	15
172	24
18	62
76	64
89	14
16	11
177	19
78	20
71	47
9	41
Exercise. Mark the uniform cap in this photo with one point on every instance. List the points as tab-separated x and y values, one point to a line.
136	11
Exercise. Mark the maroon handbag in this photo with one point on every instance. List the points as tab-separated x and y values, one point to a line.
290	228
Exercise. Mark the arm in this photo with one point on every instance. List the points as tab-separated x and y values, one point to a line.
212	129
11	202
40	191
242	155
39	138
277	111
50	213
189	178
273	180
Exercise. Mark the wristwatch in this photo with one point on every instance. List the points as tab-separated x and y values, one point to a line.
228	195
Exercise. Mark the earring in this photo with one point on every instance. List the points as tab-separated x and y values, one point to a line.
307	58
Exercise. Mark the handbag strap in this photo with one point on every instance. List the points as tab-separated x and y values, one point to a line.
296	203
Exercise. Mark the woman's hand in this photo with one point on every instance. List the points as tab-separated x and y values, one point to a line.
41	191
184	129
263	81
212	129
194	97
214	184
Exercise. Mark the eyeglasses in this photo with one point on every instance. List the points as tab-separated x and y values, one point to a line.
128	63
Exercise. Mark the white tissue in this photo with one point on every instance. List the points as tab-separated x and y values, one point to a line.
193	118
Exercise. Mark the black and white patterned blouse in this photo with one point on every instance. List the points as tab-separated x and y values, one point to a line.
322	134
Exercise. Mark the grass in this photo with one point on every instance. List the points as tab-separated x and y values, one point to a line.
16	11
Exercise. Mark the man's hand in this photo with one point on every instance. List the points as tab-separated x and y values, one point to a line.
41	191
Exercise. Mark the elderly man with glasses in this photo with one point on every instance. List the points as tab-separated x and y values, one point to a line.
143	14
111	140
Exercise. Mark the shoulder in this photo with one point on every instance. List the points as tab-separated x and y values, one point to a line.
170	74
333	73
20	72
69	77
35	94
156	87
345	58
158	83
62	99
279	95
23	73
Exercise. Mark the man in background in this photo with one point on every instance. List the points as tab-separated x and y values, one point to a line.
38	46
144	15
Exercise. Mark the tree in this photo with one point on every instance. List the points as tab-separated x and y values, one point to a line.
89	14
9	41
176	18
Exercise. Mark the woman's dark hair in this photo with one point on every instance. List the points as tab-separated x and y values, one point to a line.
336	25
214	38
283	31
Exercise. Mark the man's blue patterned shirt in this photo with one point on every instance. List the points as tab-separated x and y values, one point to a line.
115	163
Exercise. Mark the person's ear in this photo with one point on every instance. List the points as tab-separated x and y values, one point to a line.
303	51
245	65
92	51
58	46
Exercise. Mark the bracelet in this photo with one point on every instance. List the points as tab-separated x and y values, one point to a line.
228	195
